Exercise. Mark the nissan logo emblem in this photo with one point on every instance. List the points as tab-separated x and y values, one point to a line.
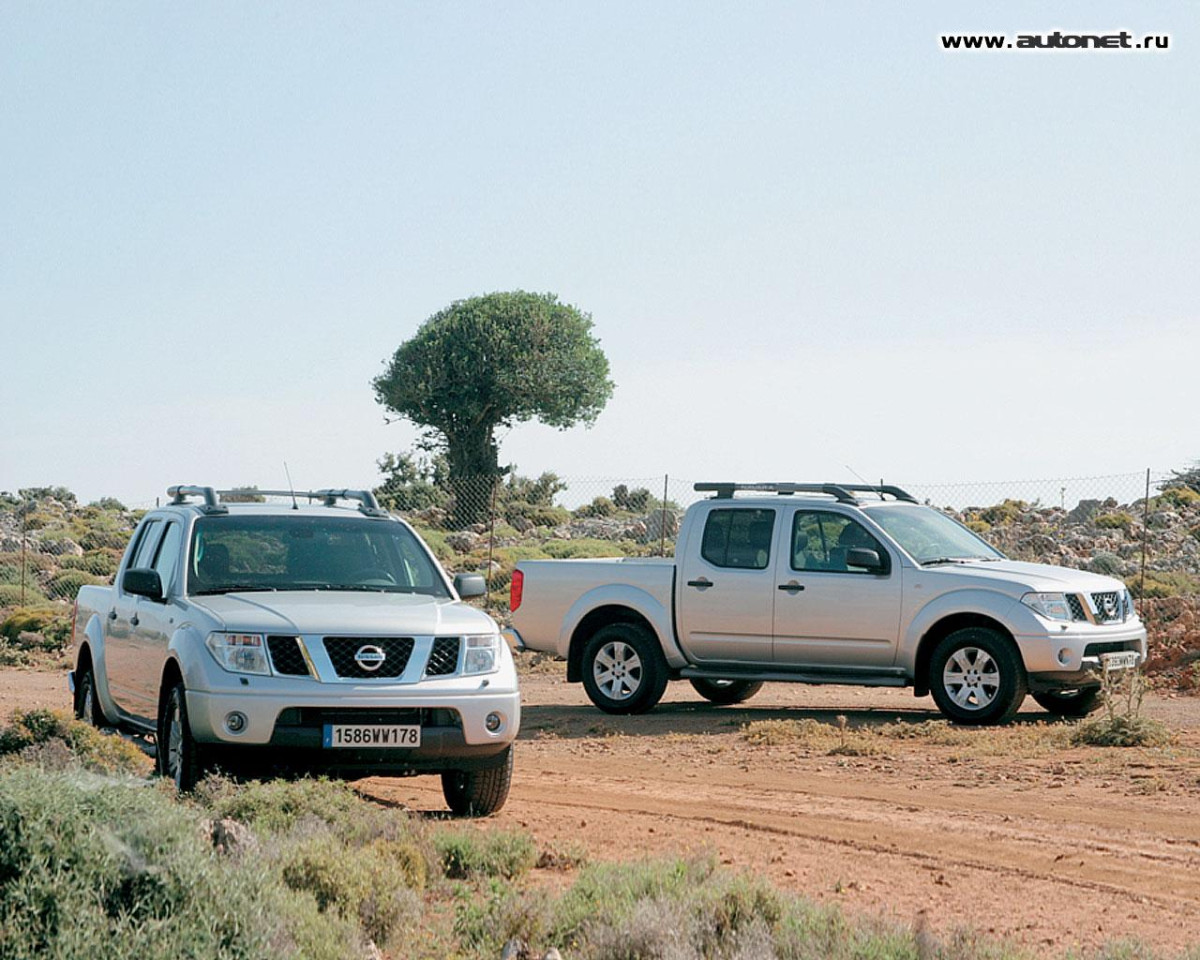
1110	606
369	658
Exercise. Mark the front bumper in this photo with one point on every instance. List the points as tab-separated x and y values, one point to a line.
1068	655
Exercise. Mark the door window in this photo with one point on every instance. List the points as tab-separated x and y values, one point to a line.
146	544
167	560
738	538
821	540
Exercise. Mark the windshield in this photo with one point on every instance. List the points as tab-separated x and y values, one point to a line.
929	536
232	554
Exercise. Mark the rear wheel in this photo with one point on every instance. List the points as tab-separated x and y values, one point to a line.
87	705
624	670
976	676
724	692
1070	703
479	793
178	756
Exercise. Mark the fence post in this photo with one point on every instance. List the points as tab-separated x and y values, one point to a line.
662	539
1145	534
23	521
487	580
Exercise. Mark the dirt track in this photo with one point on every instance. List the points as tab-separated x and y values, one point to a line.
1049	848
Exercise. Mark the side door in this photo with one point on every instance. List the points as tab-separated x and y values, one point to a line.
828	613
121	665
727	588
156	622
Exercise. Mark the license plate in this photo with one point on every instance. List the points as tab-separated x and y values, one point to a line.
1120	661
371	735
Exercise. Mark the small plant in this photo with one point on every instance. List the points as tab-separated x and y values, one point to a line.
59	740
1117	520
1121	724
470	853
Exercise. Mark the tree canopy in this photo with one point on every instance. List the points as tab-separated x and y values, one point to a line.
494	361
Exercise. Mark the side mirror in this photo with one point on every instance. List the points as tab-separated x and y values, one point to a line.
143	582
470	585
868	559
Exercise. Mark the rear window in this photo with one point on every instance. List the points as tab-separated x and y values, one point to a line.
738	538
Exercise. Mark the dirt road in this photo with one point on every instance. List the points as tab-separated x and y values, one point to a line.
1006	832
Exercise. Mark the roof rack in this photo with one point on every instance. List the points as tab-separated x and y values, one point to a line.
842	492
368	505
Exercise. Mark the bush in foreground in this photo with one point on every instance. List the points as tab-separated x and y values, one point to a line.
53	739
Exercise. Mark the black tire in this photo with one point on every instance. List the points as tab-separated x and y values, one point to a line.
1072	703
624	670
178	757
725	692
87	703
478	793
976	677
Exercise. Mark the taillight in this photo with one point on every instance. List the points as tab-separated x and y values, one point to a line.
515	587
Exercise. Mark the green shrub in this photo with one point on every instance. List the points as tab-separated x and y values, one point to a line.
1108	564
540	515
1002	513
276	806
979	526
599	507
117	869
474	853
636	500
1179	496
1160	583
374	884
53	623
94	750
100	563
1117	520
12	594
65	584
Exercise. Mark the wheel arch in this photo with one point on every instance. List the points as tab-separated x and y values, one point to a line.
172	674
942	629
594	621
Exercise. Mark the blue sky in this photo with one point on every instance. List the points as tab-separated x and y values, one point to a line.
808	237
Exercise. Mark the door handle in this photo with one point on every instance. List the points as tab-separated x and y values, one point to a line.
701	583
792	587
133	621
112	614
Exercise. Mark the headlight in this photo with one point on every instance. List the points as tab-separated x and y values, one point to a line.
483	654
239	652
1052	606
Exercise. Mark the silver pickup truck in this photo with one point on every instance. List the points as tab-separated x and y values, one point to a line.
317	636
829	583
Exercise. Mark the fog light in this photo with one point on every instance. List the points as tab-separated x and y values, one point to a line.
493	722
1064	656
235	722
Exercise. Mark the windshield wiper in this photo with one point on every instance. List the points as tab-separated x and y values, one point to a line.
234	588
926	563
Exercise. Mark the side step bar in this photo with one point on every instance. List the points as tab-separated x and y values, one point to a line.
881	679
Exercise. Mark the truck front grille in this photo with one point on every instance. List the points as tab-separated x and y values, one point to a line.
1108	607
443	661
1076	605
286	657
353	656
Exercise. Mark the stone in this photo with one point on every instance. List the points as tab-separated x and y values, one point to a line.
461	542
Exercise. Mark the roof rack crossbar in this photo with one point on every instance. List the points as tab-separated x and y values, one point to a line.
180	492
842	492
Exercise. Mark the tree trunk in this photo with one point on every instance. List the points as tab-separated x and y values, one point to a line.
474	471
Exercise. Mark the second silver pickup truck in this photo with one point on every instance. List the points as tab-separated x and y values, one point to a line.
829	583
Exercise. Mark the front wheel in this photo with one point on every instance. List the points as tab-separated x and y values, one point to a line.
725	692
1071	703
624	670
976	676
178	756
478	793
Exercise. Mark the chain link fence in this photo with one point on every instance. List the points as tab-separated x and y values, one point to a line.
50	545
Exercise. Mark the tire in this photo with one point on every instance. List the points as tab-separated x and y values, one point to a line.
478	793
624	670
725	692
1071	703
976	677
178	757
87	703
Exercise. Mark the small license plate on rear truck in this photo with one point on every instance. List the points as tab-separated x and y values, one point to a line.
359	735
1125	660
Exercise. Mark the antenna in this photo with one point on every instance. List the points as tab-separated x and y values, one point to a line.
857	474
291	486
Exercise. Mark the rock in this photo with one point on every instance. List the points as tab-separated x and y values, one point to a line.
1084	511
515	949
65	547
461	542
660	523
521	524
552	954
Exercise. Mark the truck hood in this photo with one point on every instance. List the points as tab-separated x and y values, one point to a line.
1020	578
353	614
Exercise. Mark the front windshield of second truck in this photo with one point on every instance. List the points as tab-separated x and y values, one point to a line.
929	536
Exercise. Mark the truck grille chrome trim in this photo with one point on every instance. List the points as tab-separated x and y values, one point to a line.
443	660
286	656
343	654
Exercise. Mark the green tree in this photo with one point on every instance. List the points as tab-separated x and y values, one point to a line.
490	362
